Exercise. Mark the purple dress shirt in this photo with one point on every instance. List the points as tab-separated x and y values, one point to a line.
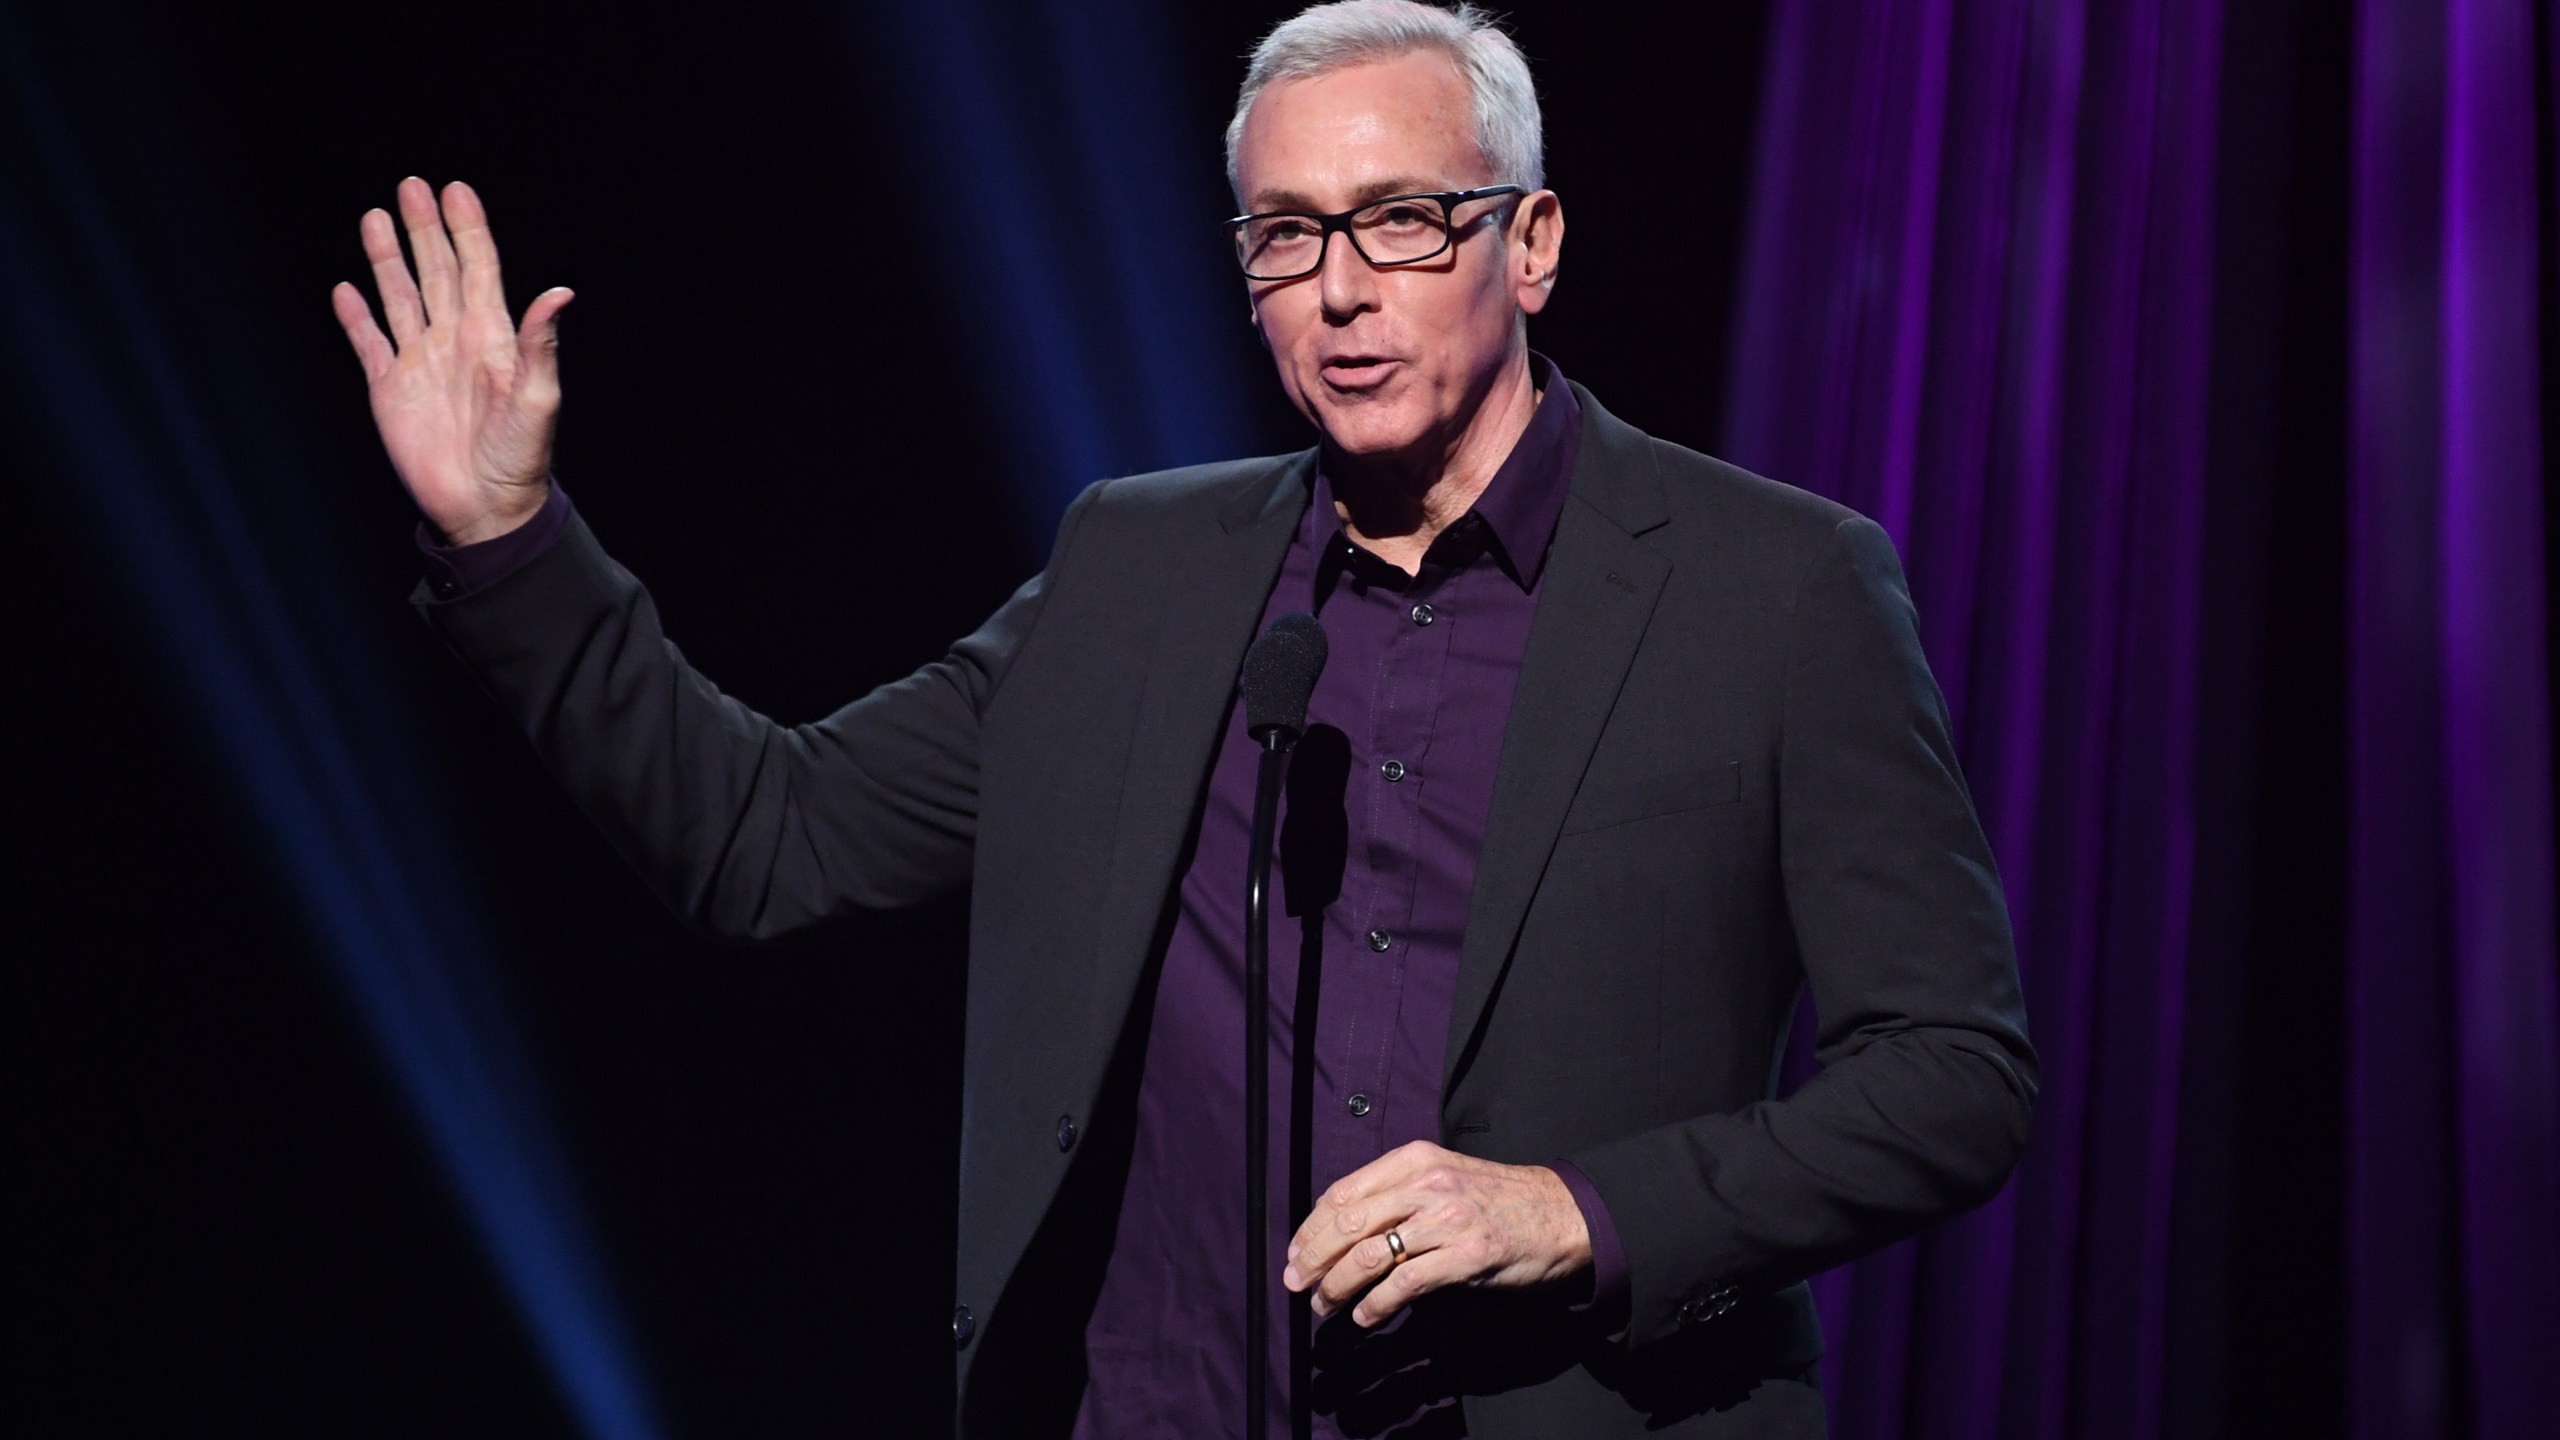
1379	830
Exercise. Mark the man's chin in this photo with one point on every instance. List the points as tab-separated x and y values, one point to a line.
1369	431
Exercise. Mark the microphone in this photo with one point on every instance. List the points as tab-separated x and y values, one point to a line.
1279	678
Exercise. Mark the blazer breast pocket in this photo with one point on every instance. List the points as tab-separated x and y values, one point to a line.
1595	809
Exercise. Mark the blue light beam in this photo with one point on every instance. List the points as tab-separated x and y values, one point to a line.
352	835
1093	271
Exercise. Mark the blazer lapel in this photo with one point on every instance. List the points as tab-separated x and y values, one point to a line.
1598	594
1211	603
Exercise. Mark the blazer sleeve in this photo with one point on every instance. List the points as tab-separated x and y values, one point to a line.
746	828
1920	1108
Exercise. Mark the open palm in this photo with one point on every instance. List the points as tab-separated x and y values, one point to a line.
464	397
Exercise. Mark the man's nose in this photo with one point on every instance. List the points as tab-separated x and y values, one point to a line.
1345	281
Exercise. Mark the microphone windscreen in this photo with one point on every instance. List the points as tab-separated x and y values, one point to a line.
1280	674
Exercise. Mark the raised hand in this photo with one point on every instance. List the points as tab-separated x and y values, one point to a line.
465	399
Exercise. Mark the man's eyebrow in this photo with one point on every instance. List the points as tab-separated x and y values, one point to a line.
1267	200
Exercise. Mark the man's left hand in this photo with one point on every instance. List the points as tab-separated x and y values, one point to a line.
1462	1221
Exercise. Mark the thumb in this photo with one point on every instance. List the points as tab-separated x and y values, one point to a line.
538	341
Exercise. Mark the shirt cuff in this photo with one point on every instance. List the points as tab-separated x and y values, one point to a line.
1607	1305
454	571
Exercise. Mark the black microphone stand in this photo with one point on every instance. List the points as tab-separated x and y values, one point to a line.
1271	766
1279	678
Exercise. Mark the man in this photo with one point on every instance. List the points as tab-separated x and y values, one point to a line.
1618	748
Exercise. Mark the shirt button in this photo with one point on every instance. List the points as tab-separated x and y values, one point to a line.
1379	940
1422	615
963	1326
1393	770
1066	1132
1357	1105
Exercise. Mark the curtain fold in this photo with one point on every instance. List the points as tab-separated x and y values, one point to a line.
1980	304
2453	1134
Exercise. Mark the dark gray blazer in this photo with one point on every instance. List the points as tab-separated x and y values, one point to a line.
1727	775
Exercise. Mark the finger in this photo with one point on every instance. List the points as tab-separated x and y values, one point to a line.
400	307
1356	1259
1388	1172
1331	1232
1418	1276
1343	1214
429	248
538	342
1432	1220
477	248
372	351
1363	1263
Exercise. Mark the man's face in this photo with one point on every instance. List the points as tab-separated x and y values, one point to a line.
1391	361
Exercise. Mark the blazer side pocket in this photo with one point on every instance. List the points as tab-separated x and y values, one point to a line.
1657	795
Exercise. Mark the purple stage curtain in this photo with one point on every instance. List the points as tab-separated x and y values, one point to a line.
1980	304
2453	1120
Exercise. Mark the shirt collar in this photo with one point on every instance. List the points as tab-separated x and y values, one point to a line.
1525	498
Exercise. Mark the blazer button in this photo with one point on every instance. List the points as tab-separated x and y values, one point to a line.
963	1327
1066	1132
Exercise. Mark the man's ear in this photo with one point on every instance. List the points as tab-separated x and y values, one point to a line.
1537	249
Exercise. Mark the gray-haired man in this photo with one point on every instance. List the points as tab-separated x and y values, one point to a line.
1619	750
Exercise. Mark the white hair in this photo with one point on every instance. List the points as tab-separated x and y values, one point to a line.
1325	38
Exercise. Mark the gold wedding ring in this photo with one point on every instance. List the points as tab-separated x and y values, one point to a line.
1395	1248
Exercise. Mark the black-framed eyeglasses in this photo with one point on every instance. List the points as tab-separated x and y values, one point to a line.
1398	230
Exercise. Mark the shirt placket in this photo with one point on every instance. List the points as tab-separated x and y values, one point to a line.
1388	779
